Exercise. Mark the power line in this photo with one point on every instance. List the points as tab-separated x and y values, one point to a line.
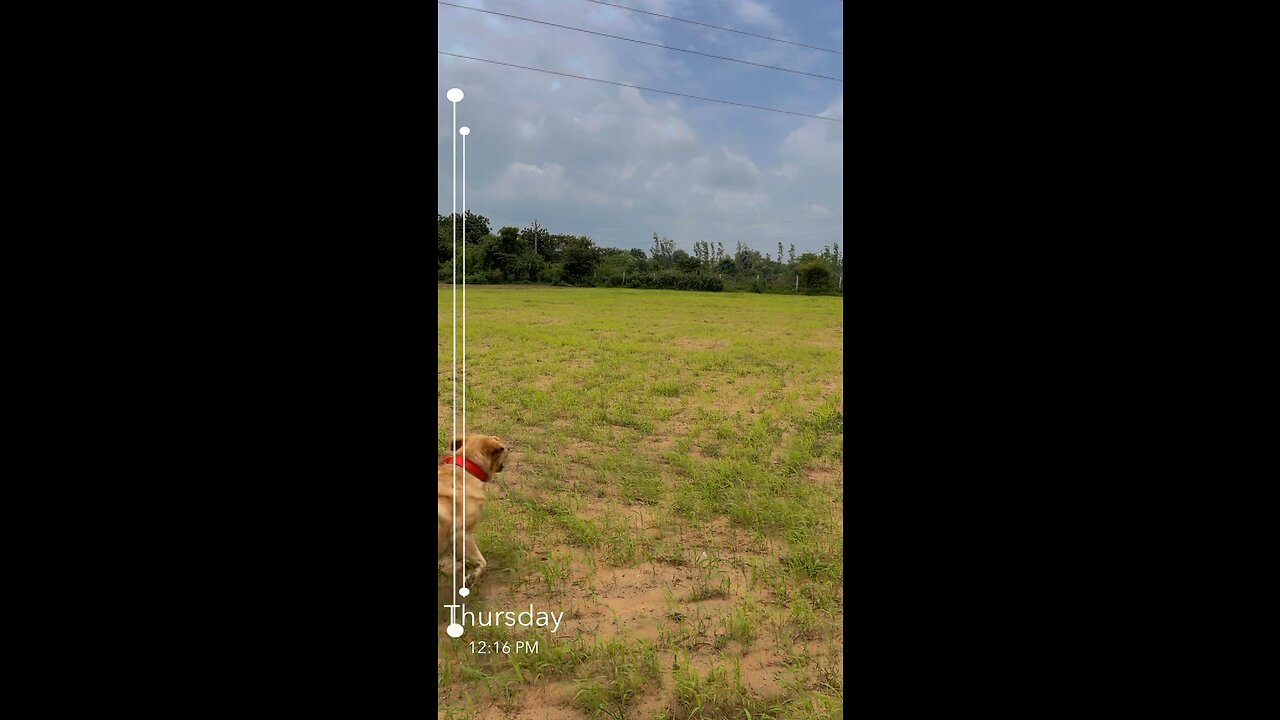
784	238
791	237
640	87
719	226
717	27
642	42
749	218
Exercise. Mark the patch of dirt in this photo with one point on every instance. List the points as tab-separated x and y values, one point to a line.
698	453
516	459
762	668
680	427
633	602
833	387
589	507
548	702
651	704
827	476
738	396
658	445
701	343
575	450
717	541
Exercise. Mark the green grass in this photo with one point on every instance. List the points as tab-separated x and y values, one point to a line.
684	441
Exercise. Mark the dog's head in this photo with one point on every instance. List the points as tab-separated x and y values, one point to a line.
486	449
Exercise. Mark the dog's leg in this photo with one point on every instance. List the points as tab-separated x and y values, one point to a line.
474	556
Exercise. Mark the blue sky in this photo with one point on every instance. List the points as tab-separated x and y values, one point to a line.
618	164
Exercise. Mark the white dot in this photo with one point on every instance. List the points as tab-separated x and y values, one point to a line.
454	630
454	95
464	131
464	591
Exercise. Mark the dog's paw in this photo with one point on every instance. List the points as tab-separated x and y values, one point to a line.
474	577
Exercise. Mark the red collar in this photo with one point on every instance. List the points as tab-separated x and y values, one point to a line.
471	467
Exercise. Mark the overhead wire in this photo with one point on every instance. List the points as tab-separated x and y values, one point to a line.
716	27
720	226
641	42
641	87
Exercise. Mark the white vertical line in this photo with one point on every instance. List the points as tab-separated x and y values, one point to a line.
464	356
455	630
453	611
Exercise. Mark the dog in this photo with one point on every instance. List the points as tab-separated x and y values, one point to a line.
480	457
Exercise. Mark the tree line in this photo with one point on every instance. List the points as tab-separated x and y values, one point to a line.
536	255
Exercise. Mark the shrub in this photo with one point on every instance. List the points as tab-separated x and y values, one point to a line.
552	274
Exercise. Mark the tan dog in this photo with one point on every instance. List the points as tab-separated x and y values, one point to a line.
479	459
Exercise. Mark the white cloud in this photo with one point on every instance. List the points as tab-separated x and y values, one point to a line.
534	182
755	13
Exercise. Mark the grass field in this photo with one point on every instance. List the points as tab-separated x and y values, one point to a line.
675	490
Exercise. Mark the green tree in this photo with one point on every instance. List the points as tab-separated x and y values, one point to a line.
815	273
552	274
663	251
580	258
528	266
502	253
702	251
477	226
556	243
614	265
444	247
540	240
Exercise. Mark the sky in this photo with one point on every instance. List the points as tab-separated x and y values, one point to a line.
619	164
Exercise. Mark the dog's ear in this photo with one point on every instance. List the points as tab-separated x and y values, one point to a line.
493	448
457	442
